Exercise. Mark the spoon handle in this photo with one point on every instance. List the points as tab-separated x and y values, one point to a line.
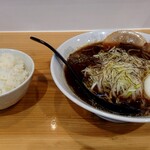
58	55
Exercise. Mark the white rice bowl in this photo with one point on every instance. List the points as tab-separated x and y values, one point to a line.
16	70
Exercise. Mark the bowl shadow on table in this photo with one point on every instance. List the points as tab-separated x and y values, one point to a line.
94	123
35	92
119	128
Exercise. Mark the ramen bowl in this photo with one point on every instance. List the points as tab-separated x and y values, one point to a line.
13	95
58	75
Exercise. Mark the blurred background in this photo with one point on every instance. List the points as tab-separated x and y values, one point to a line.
50	15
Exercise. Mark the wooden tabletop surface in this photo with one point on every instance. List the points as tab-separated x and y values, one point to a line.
44	119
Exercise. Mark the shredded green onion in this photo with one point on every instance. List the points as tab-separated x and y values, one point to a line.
117	74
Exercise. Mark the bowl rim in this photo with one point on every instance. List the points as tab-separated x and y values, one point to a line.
104	114
27	79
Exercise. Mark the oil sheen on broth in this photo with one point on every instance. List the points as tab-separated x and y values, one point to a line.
116	71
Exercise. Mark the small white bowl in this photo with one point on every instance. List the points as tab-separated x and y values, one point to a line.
57	71
13	96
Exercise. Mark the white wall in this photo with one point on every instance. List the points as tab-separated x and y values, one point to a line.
37	15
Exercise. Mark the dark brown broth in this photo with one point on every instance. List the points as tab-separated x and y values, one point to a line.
84	57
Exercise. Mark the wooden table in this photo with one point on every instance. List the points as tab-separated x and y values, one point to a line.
45	119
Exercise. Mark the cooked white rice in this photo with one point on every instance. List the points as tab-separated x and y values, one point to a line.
12	72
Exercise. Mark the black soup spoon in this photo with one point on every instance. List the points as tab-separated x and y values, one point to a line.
123	109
